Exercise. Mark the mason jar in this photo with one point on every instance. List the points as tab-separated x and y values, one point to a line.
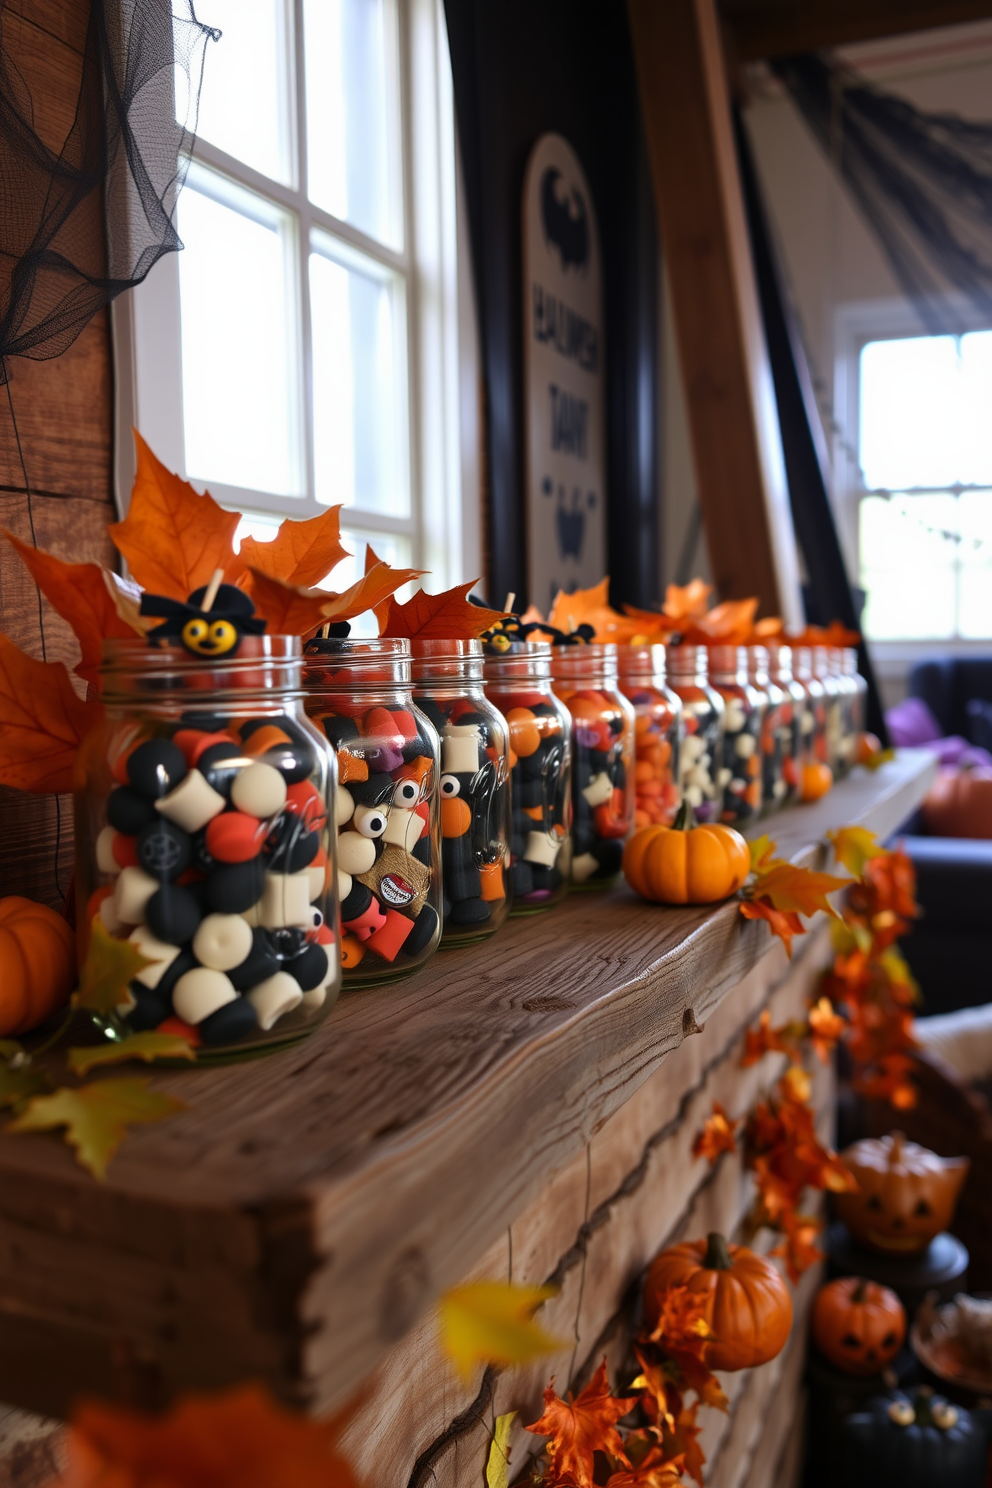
815	716
775	733
793	711
474	787
826	669
744	708
359	694
859	703
702	729
517	682
657	733
844	662
203	805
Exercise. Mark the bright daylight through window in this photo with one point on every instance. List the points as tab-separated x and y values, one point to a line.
925	449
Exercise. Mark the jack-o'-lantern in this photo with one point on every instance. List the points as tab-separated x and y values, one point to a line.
857	1324
905	1195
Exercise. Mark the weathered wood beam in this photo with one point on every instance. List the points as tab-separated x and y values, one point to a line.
730	399
774	28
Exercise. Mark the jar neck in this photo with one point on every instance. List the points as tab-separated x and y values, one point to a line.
802	663
757	665
687	664
645	664
360	667
264	673
850	662
780	664
728	664
447	663
585	666
527	665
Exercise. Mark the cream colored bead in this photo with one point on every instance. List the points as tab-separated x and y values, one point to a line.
317	874
542	848
253	916
583	867
158	952
744	746
222	941
599	790
345	882
259	790
109	918
404	828
344	806
286	900
460	749
356	854
134	889
193	803
200	992
274	998
735	717
105	860
314	999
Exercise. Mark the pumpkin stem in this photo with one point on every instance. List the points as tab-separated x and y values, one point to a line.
895	1151
685	818
923	1405
717	1257
858	1295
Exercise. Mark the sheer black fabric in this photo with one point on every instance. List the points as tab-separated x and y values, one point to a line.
923	182
80	225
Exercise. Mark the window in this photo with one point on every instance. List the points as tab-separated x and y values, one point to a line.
302	350
925	511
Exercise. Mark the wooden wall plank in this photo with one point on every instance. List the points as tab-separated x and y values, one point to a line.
773	28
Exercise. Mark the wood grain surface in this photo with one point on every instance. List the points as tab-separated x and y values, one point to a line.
308	1207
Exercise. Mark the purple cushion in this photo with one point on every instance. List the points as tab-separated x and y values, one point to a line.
911	723
957	751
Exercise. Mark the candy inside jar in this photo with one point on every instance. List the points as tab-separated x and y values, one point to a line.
744	706
388	850
702	730
777	734
203	838
793	713
657	733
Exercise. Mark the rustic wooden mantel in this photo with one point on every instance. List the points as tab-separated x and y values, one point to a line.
307	1207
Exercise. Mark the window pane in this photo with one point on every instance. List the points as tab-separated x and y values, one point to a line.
975	509
243	101
394	548
909	404
909	551
975	430
238	354
353	145
359	399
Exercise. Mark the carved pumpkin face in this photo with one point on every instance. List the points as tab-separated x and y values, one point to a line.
905	1196
858	1325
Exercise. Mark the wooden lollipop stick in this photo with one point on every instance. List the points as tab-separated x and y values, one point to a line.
508	606
325	629
216	580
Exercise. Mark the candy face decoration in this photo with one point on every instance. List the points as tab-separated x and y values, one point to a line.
212	631
210	638
905	1196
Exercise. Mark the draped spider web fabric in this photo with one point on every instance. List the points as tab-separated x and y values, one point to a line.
923	182
82	221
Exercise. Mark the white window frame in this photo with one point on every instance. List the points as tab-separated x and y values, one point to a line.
147	329
857	324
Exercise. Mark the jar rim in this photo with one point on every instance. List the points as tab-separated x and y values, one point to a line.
359	650
133	668
445	650
651	658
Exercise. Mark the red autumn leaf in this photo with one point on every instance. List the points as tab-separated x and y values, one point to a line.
301	553
826	1028
579	1428
782	923
42	722
438	617
798	1248
239	1439
656	1469
718	1135
682	1441
81	594
889	1080
172	538
682	1325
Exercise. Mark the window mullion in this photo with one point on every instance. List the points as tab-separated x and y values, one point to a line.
305	328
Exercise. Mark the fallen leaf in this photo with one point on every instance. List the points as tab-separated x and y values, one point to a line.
853	846
498	1463
766	1040
301	552
110	966
762	850
718	1135
80	594
173	539
789	887
42	722
579	1428
783	923
18	1085
145	1046
491	1322
97	1116
441	617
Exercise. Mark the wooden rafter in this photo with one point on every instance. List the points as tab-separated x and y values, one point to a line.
774	28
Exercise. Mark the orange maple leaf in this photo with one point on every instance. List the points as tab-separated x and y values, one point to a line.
718	1135
891	880
826	1027
581	1427
290	610
656	1469
730	622
301	553
682	1441
79	592
688	602
592	607
798	1248
42	722
783	923
889	1080
765	1040
438	617
172	538
682	1325
789	887
232	1440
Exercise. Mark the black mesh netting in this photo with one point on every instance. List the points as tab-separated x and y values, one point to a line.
81	222
923	182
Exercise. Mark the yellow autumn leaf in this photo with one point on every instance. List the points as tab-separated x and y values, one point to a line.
788	887
491	1322
762	850
498	1465
97	1116
853	846
107	972
145	1046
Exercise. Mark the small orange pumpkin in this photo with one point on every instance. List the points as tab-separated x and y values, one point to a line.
816	780
748	1306
37	964
869	747
858	1325
905	1195
960	803
686	863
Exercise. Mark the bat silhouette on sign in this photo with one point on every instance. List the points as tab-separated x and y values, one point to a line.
566	224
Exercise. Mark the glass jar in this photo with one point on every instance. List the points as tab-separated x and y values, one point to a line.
358	693
815	717
702	729
203	805
792	714
740	761
844	663
585	678
826	669
518	683
859	693
475	787
657	734
776	733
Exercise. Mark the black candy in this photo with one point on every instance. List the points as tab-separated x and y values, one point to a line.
291	848
234	887
310	967
528	792
128	812
164	850
608	853
522	879
288	941
433	711
422	933
152	1007
294	761
542	877
230	1023
210	723
173	914
156	767
372	792
341	731
202	859
260	963
218	774
461	880
422	850
413	749
469	912
177	967
357	902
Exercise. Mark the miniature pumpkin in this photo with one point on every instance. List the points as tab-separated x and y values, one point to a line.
905	1195
815	781
858	1325
37	964
916	1440
868	749
749	1309
686	863
960	803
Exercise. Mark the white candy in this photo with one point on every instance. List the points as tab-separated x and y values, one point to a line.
160	955
200	992
599	790
404	828
344	806
259	790
344	884
286	900
744	746
583	867
105	860
723	777
356	854
317	874
253	916
735	717
693	747
542	848
273	998
314	999
110	919
460	749
222	941
133	890
694	796
193	803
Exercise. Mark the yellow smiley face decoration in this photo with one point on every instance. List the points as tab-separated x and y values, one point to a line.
215	632
206	637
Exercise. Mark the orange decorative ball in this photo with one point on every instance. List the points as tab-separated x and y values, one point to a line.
815	781
685	863
858	1325
37	964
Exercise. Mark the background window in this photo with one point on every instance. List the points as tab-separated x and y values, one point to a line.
925	520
